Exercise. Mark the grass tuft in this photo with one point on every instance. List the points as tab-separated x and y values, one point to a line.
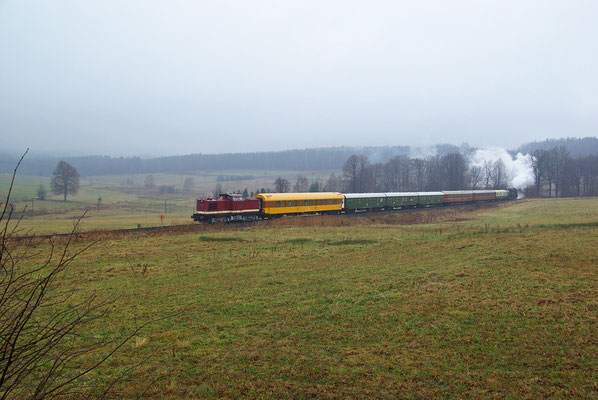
220	239
299	241
348	242
570	225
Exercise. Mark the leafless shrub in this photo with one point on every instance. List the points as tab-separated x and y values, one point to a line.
45	348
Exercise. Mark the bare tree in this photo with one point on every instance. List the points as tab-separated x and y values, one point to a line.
419	172
488	168
476	175
453	170
351	174
302	184
365	173
499	175
589	175
539	164
572	177
356	174
434	174
333	184
559	156
376	172
65	179
281	185
392	174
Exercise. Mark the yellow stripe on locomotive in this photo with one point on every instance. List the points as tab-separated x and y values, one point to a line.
298	203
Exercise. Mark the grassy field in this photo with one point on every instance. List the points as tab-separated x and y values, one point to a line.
497	302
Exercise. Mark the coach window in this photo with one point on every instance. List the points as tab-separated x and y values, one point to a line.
294	203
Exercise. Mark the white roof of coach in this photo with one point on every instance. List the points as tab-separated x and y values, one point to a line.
401	194
363	195
430	193
458	192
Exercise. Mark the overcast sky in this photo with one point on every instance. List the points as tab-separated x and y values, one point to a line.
126	77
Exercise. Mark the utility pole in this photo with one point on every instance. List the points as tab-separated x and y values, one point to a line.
99	201
164	206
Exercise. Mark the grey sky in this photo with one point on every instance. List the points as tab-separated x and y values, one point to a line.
128	77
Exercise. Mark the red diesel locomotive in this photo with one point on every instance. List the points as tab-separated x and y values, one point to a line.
227	208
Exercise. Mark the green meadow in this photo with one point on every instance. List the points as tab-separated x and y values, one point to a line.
494	302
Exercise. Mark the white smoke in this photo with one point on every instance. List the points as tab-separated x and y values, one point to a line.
519	169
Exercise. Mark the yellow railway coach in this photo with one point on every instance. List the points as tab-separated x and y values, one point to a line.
277	204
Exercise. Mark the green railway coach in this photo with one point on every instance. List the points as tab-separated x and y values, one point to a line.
428	199
364	201
401	199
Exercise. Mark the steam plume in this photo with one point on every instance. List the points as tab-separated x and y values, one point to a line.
519	169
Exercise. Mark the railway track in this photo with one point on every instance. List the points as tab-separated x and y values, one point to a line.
199	227
112	232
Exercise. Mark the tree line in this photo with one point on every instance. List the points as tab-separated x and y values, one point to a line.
558	174
577	147
404	174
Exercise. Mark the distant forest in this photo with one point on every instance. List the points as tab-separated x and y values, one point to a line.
328	158
576	147
296	160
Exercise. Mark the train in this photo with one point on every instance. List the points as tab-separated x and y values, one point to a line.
234	207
